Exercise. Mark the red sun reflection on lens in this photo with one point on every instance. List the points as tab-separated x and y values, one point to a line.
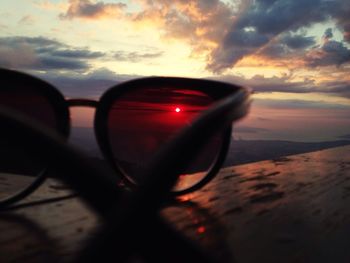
177	109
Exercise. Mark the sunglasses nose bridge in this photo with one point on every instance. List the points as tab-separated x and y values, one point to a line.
82	103
82	117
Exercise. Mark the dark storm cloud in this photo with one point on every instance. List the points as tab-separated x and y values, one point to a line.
341	14
298	41
275	50
39	53
249	39
274	22
287	44
272	18
331	53
328	34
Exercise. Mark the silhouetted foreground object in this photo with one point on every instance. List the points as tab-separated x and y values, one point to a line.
133	121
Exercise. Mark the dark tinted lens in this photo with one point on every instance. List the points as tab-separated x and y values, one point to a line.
142	120
29	101
17	168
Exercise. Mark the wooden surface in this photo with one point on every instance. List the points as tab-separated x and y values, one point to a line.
291	209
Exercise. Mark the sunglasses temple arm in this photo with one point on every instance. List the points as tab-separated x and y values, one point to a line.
77	171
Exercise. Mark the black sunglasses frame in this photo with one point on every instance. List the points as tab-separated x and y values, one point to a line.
121	213
214	89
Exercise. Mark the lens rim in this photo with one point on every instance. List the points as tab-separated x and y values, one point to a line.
214	89
60	108
55	97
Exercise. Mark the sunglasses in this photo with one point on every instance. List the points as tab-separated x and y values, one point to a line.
121	212
132	121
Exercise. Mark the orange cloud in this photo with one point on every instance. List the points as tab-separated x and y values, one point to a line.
90	10
201	23
230	35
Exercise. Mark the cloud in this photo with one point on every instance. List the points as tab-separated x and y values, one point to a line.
331	53
304	50
90	85
269	27
27	20
136	56
260	83
298	41
51	63
285	84
200	23
226	32
297	104
18	56
341	14
77	53
39	53
339	87
274	17
92	10
287	45
328	34
38	41
186	19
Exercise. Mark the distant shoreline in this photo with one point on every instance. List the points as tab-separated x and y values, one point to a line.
248	151
240	151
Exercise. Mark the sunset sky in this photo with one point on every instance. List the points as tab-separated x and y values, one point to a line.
294	54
